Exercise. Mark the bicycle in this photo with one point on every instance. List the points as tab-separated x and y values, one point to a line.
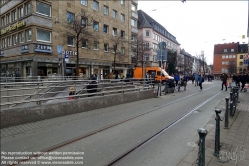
234	100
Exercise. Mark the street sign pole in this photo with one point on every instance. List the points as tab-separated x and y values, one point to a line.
59	52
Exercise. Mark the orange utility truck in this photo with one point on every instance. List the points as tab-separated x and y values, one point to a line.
152	70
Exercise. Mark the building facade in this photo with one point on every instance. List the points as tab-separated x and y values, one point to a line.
225	58
241	56
154	33
32	30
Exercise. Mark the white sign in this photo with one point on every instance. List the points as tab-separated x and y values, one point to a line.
69	53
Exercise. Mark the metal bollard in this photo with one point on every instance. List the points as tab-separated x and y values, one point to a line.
201	154
231	96
217	133
226	113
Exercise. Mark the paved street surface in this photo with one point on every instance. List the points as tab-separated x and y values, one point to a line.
138	121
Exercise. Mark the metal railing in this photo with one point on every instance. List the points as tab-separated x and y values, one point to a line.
21	94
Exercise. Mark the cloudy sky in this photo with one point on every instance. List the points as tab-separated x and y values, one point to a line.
199	25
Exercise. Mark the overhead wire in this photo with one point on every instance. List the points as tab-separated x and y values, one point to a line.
162	7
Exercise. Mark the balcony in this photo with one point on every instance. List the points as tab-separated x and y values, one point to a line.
134	30
134	15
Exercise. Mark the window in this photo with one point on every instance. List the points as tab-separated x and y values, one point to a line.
28	35
105	28
84	44
96	45
234	56
8	19
133	22
95	5
14	15
241	57
147	33
106	47
14	39
133	37
70	17
232	50
240	63
84	21
114	31
106	10
147	45
230	56
223	56
43	9
20	9
3	21
27	8
122	17
122	50
114	13
84	2
43	35
226	56
122	2
133	7
4	44
21	37
70	41
147	57
225	50
122	34
95	25
9	41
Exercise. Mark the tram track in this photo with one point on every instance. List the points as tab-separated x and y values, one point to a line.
62	144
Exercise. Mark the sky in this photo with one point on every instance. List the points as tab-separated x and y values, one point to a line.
199	25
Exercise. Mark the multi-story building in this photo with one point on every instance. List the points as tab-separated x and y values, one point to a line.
154	33
32	30
242	53
185	62
225	57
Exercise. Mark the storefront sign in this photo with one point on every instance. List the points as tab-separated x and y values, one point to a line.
24	48
43	48
13	27
70	53
42	64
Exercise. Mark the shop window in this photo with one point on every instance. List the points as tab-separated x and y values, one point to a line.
43	35
43	9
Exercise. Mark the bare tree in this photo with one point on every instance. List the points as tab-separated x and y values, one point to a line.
142	50
76	31
118	42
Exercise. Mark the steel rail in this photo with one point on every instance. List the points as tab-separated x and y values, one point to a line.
62	144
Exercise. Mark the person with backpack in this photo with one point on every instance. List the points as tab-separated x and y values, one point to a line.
224	81
200	80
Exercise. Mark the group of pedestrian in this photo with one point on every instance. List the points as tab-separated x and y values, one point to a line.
236	78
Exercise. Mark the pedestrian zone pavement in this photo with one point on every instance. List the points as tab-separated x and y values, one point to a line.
234	140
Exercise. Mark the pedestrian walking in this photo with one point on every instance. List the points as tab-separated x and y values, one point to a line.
71	93
224	81
230	80
176	78
243	80
196	79
200	80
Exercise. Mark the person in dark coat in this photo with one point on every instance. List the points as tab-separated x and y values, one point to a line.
92	87
224	81
243	81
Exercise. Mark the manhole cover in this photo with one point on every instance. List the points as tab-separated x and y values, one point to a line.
209	143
